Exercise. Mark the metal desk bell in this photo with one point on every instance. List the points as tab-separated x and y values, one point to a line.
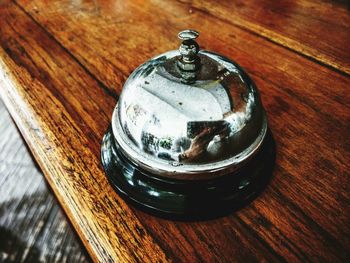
189	135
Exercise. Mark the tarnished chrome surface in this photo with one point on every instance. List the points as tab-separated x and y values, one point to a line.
189	122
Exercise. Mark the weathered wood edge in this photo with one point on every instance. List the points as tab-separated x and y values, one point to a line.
27	123
38	229
9	96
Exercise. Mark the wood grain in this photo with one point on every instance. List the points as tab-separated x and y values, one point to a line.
32	225
80	165
62	66
298	25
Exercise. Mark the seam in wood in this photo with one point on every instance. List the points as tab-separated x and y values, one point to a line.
271	40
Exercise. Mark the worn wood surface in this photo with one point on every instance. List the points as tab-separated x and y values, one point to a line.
33	227
62	67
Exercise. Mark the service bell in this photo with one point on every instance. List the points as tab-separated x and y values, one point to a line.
189	135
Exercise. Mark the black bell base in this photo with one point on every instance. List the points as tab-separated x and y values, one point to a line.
187	200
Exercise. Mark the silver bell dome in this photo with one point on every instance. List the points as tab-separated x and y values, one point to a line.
189	114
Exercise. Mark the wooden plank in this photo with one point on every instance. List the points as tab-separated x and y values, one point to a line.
316	29
62	70
32	225
42	92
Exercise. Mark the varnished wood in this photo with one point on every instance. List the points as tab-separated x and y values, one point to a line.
63	64
316	29
32	225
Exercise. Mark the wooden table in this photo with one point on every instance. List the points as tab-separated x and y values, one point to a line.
63	65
